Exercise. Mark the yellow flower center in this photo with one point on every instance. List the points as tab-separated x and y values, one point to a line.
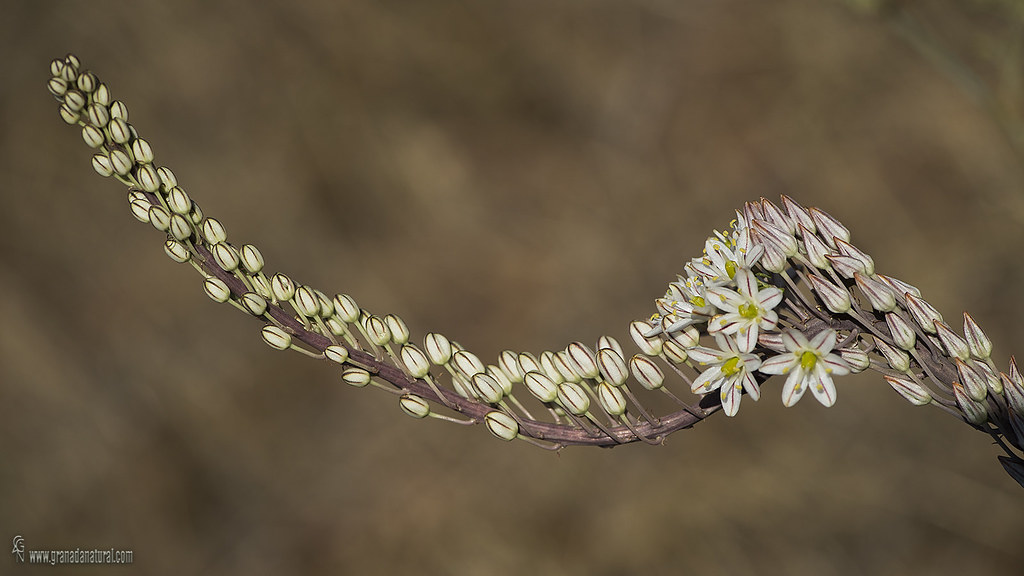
731	366
808	359
748	311
698	302
730	268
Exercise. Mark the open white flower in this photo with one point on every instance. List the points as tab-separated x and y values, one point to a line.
731	371
684	300
747	309
810	364
723	256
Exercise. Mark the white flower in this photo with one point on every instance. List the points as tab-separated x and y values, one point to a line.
810	364
747	309
684	301
731	372
723	257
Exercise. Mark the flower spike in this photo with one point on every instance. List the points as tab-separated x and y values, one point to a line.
781	291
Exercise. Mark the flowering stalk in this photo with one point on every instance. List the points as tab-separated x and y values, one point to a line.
782	291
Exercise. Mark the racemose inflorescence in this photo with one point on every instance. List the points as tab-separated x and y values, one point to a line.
782	291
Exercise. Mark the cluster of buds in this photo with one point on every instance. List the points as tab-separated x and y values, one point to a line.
781	292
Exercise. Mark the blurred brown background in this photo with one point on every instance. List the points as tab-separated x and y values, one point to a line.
515	175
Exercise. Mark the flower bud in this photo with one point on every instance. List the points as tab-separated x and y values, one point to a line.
912	391
438	348
573	398
529	363
973	412
973	383
829	228
276	337
120	161
835	298
177	251
399	331
613	367
903	334
224	254
346	308
977	341
414	406
566	367
502	425
217	290
612	399
213	231
650	346
283	287
93	136
101	164
583	360
251	259
180	228
356	377
540	386
254	303
801	217
847	249
924	313
467	363
376	330
336	354
415	361
305	301
857	359
490	389
879	295
955	346
646	372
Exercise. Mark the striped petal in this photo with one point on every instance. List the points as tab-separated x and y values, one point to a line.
794	388
731	395
822	386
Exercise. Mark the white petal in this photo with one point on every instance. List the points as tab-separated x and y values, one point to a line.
824	341
823	387
712	376
680	324
726	324
746	338
795	340
768	319
794	388
779	364
704	355
746	282
724	298
726	344
769	297
750	361
704	269
753	254
790	339
835	365
750	385
731	395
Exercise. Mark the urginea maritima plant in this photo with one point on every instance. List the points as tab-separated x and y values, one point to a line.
782	292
